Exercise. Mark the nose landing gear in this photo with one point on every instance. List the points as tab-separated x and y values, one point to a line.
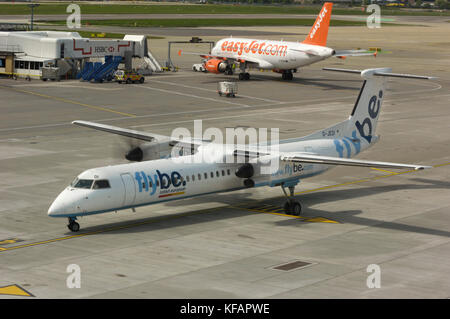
73	225
291	207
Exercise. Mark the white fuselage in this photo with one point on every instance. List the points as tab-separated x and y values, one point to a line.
149	182
268	54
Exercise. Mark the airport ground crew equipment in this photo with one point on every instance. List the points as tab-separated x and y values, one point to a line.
227	88
128	77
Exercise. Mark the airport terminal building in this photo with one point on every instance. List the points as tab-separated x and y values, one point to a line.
29	53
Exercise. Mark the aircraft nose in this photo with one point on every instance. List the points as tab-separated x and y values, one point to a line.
57	207
61	205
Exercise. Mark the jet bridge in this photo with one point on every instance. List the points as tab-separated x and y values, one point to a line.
57	47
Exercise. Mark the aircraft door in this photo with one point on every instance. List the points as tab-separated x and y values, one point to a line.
130	189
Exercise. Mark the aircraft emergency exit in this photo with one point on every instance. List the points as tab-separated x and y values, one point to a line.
152	180
279	56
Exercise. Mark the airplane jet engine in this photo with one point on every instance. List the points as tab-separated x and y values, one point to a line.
216	66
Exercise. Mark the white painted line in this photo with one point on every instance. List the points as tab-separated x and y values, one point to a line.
208	90
192	95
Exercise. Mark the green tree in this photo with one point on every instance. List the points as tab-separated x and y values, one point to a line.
441	4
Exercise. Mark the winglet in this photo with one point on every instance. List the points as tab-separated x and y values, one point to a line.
419	168
319	31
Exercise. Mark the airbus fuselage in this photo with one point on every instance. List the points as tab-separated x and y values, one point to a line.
270	54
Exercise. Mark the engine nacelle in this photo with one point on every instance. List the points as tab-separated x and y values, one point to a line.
158	150
216	66
245	171
148	151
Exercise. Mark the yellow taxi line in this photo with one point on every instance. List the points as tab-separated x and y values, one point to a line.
382	170
162	218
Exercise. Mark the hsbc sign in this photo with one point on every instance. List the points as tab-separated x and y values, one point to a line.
104	49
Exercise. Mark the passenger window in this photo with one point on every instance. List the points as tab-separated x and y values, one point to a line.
101	184
217	173
175	180
199	176
228	171
150	184
206	175
212	174
187	178
223	173
193	178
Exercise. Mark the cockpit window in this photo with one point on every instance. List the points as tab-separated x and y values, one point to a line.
82	183
101	183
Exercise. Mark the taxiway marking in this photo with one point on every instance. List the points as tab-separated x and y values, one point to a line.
15	290
99	108
277	210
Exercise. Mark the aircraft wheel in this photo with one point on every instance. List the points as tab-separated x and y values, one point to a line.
293	208
74	226
241	76
141	80
129	81
296	208
287	208
247	76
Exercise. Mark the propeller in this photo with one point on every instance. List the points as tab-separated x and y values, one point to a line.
128	148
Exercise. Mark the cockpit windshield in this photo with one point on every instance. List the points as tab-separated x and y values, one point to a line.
101	183
82	183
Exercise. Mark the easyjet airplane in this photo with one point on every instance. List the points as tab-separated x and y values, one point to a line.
154	179
280	56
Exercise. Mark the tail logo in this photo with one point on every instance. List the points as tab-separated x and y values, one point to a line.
317	25
373	110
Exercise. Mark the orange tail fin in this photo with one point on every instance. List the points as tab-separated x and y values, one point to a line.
319	31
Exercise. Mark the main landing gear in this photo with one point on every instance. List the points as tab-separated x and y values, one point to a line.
73	225
244	76
287	75
291	207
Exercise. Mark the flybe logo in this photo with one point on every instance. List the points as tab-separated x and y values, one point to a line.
317	25
164	181
373	110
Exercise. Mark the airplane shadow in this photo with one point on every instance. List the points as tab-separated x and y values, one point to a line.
195	217
327	84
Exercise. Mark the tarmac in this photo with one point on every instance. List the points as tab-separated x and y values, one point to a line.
238	244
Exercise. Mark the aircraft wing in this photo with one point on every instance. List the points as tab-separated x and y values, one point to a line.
346	53
325	160
309	51
145	136
329	160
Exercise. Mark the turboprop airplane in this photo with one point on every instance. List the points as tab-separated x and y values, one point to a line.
279	56
154	180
